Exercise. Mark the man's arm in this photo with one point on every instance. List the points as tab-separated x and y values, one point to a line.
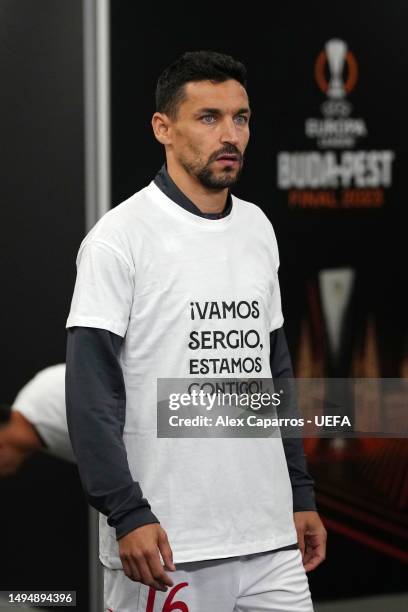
36	421
96	404
96	408
301	481
310	530
19	439
42	402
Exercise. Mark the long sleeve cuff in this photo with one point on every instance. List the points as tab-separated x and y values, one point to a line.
132	510
303	498
133	520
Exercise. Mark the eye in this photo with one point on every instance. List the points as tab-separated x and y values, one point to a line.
241	119
207	119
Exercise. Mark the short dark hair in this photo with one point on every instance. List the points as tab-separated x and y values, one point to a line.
194	66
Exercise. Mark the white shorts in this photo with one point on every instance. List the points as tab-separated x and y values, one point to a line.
273	582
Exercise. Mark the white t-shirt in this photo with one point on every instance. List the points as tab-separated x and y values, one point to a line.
144	272
42	402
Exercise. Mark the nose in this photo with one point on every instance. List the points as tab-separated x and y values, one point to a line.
229	132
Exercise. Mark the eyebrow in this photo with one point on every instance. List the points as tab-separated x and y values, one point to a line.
217	111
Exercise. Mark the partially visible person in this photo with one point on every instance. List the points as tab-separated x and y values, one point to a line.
37	421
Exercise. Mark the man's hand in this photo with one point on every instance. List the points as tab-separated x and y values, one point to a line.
312	538
139	553
18	440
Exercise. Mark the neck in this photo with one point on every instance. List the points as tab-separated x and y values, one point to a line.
206	200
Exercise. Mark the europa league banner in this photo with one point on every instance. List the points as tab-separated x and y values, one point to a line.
338	171
327	162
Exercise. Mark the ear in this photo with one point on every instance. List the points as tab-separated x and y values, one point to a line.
161	125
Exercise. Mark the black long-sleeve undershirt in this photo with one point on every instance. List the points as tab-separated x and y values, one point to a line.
301	481
96	410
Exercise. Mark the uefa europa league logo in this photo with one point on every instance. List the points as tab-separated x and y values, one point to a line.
330	69
336	75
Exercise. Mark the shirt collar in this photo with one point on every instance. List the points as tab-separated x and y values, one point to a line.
164	182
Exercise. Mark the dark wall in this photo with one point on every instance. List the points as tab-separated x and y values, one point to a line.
43	537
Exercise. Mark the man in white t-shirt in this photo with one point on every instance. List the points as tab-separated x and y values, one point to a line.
179	281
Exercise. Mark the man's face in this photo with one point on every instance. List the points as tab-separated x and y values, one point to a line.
211	132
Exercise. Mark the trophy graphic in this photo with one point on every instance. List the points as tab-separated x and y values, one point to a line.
335	290
336	286
336	53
